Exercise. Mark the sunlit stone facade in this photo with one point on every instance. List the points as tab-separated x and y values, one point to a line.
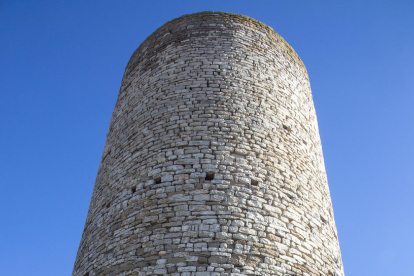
213	163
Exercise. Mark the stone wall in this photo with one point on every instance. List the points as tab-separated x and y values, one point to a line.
213	163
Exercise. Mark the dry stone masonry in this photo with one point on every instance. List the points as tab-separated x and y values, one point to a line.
213	163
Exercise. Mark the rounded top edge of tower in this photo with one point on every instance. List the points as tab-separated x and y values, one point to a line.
226	17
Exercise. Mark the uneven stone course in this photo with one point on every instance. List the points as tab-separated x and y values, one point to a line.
213	164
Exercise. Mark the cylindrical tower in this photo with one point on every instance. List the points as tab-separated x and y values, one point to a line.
213	163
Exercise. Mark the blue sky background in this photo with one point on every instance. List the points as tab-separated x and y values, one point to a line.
61	65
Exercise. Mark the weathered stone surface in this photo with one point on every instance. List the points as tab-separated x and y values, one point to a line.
213	163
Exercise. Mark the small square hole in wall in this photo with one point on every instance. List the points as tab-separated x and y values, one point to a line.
86	274
209	176
157	180
254	182
287	127
133	190
323	219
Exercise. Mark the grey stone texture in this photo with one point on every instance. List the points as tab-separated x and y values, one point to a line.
213	163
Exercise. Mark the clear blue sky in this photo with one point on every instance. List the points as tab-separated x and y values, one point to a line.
61	65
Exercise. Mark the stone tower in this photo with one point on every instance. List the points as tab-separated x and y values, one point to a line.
213	163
